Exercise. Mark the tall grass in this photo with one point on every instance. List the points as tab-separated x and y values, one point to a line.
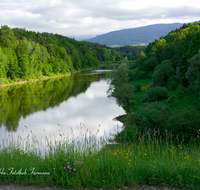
149	160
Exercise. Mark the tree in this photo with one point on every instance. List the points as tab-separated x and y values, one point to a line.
141	59
150	64
7	38
3	64
24	66
76	60
193	73
121	89
162	73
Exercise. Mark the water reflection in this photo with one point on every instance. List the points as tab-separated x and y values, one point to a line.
59	106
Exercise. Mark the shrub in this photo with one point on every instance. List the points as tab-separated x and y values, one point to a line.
173	82
150	64
181	90
137	87
184	124
151	115
142	75
155	94
171	99
162	73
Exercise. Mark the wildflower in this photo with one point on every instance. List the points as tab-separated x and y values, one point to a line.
68	166
69	171
183	163
74	169
64	168
65	160
82	162
68	163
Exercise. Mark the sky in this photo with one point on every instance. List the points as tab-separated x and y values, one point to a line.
87	18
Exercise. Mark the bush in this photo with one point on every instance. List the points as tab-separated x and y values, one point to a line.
171	99
173	82
151	115
184	124
181	91
137	87
142	75
155	94
150	64
162	73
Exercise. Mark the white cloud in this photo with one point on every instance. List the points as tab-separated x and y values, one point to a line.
93	17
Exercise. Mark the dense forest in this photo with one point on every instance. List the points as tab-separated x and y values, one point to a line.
30	55
131	52
161	91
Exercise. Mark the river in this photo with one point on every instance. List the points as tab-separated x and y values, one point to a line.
72	107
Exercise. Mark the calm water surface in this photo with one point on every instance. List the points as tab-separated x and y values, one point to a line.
68	106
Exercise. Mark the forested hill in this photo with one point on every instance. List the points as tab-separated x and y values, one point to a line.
29	55
135	36
174	59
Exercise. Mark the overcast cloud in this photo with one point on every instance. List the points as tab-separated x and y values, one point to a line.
93	17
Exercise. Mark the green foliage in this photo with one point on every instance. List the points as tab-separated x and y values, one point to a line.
193	73
29	54
3	81
3	64
171	99
181	91
162	73
184	124
150	116
7	38
173	82
23	64
149	64
121	89
155	94
142	75
145	161
131	52
141	60
137	87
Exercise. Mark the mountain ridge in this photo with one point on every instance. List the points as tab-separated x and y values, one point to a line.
135	36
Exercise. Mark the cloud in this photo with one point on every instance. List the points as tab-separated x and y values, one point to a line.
93	17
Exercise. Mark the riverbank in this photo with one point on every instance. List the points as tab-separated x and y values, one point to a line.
148	161
43	78
33	80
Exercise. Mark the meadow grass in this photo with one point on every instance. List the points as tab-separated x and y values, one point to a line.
149	160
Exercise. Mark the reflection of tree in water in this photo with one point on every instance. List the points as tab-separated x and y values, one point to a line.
23	100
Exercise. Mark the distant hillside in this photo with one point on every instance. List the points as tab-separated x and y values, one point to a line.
135	36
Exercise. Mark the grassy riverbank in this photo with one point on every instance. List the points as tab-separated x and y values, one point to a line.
148	161
6	82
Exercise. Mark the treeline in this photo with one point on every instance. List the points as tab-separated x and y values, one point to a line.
169	100
174	59
29	55
131	52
